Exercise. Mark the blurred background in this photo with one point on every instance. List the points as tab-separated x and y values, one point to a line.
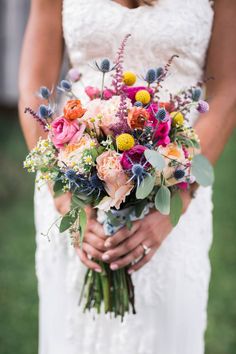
18	287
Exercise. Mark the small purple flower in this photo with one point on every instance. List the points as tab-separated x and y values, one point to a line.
202	106
74	74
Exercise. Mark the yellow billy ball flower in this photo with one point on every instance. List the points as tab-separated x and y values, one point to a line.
124	142
129	78
178	118
143	96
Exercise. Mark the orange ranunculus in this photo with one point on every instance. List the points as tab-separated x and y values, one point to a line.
73	110
137	117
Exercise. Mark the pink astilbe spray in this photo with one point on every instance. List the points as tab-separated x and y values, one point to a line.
122	114
117	81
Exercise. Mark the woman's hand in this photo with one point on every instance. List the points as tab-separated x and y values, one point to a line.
141	242
93	245
62	203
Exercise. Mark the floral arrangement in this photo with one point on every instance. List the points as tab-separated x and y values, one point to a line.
123	152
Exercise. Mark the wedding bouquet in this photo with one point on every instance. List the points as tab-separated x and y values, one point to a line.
123	152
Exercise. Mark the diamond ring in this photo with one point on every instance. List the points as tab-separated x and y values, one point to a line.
146	249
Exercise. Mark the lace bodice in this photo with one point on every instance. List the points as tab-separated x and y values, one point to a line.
172	289
93	29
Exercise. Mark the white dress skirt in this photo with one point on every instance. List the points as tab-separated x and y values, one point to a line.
172	289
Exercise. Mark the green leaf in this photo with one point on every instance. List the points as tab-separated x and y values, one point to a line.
129	224
82	224
162	200
202	170
155	159
145	187
58	188
176	206
139	207
68	220
77	202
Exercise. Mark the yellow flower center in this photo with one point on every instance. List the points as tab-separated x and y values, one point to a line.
129	78
125	142
143	96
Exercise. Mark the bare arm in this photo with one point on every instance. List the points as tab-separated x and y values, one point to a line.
216	126
41	60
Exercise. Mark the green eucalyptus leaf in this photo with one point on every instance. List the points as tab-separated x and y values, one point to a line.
68	220
145	187
162	200
202	170
82	224
77	202
155	159
176	206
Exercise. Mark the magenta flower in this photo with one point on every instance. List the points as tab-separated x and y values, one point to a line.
92	92
132	156
131	91
64	131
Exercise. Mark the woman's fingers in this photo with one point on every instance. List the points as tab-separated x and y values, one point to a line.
124	247
95	241
145	259
92	251
128	259
96	229
121	235
88	262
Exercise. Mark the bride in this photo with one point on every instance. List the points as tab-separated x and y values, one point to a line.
172	280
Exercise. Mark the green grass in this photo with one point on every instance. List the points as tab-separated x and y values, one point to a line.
18	294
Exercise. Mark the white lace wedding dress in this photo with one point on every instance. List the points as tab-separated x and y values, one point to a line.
171	290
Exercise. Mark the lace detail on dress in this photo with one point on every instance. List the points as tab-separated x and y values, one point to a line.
171	290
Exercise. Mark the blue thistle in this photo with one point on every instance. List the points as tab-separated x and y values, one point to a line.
44	92
71	175
95	182
179	174
45	111
105	66
196	94
151	76
66	85
138	173
138	104
161	114
159	72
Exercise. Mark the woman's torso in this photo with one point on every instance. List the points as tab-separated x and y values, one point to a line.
93	29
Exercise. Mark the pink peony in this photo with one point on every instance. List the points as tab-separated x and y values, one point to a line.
110	171
132	156
64	131
92	92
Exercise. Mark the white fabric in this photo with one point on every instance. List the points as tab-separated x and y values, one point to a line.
172	290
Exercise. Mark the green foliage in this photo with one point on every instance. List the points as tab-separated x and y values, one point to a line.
176	206
58	188
162	200
68	220
82	224
145	187
155	159
202	170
